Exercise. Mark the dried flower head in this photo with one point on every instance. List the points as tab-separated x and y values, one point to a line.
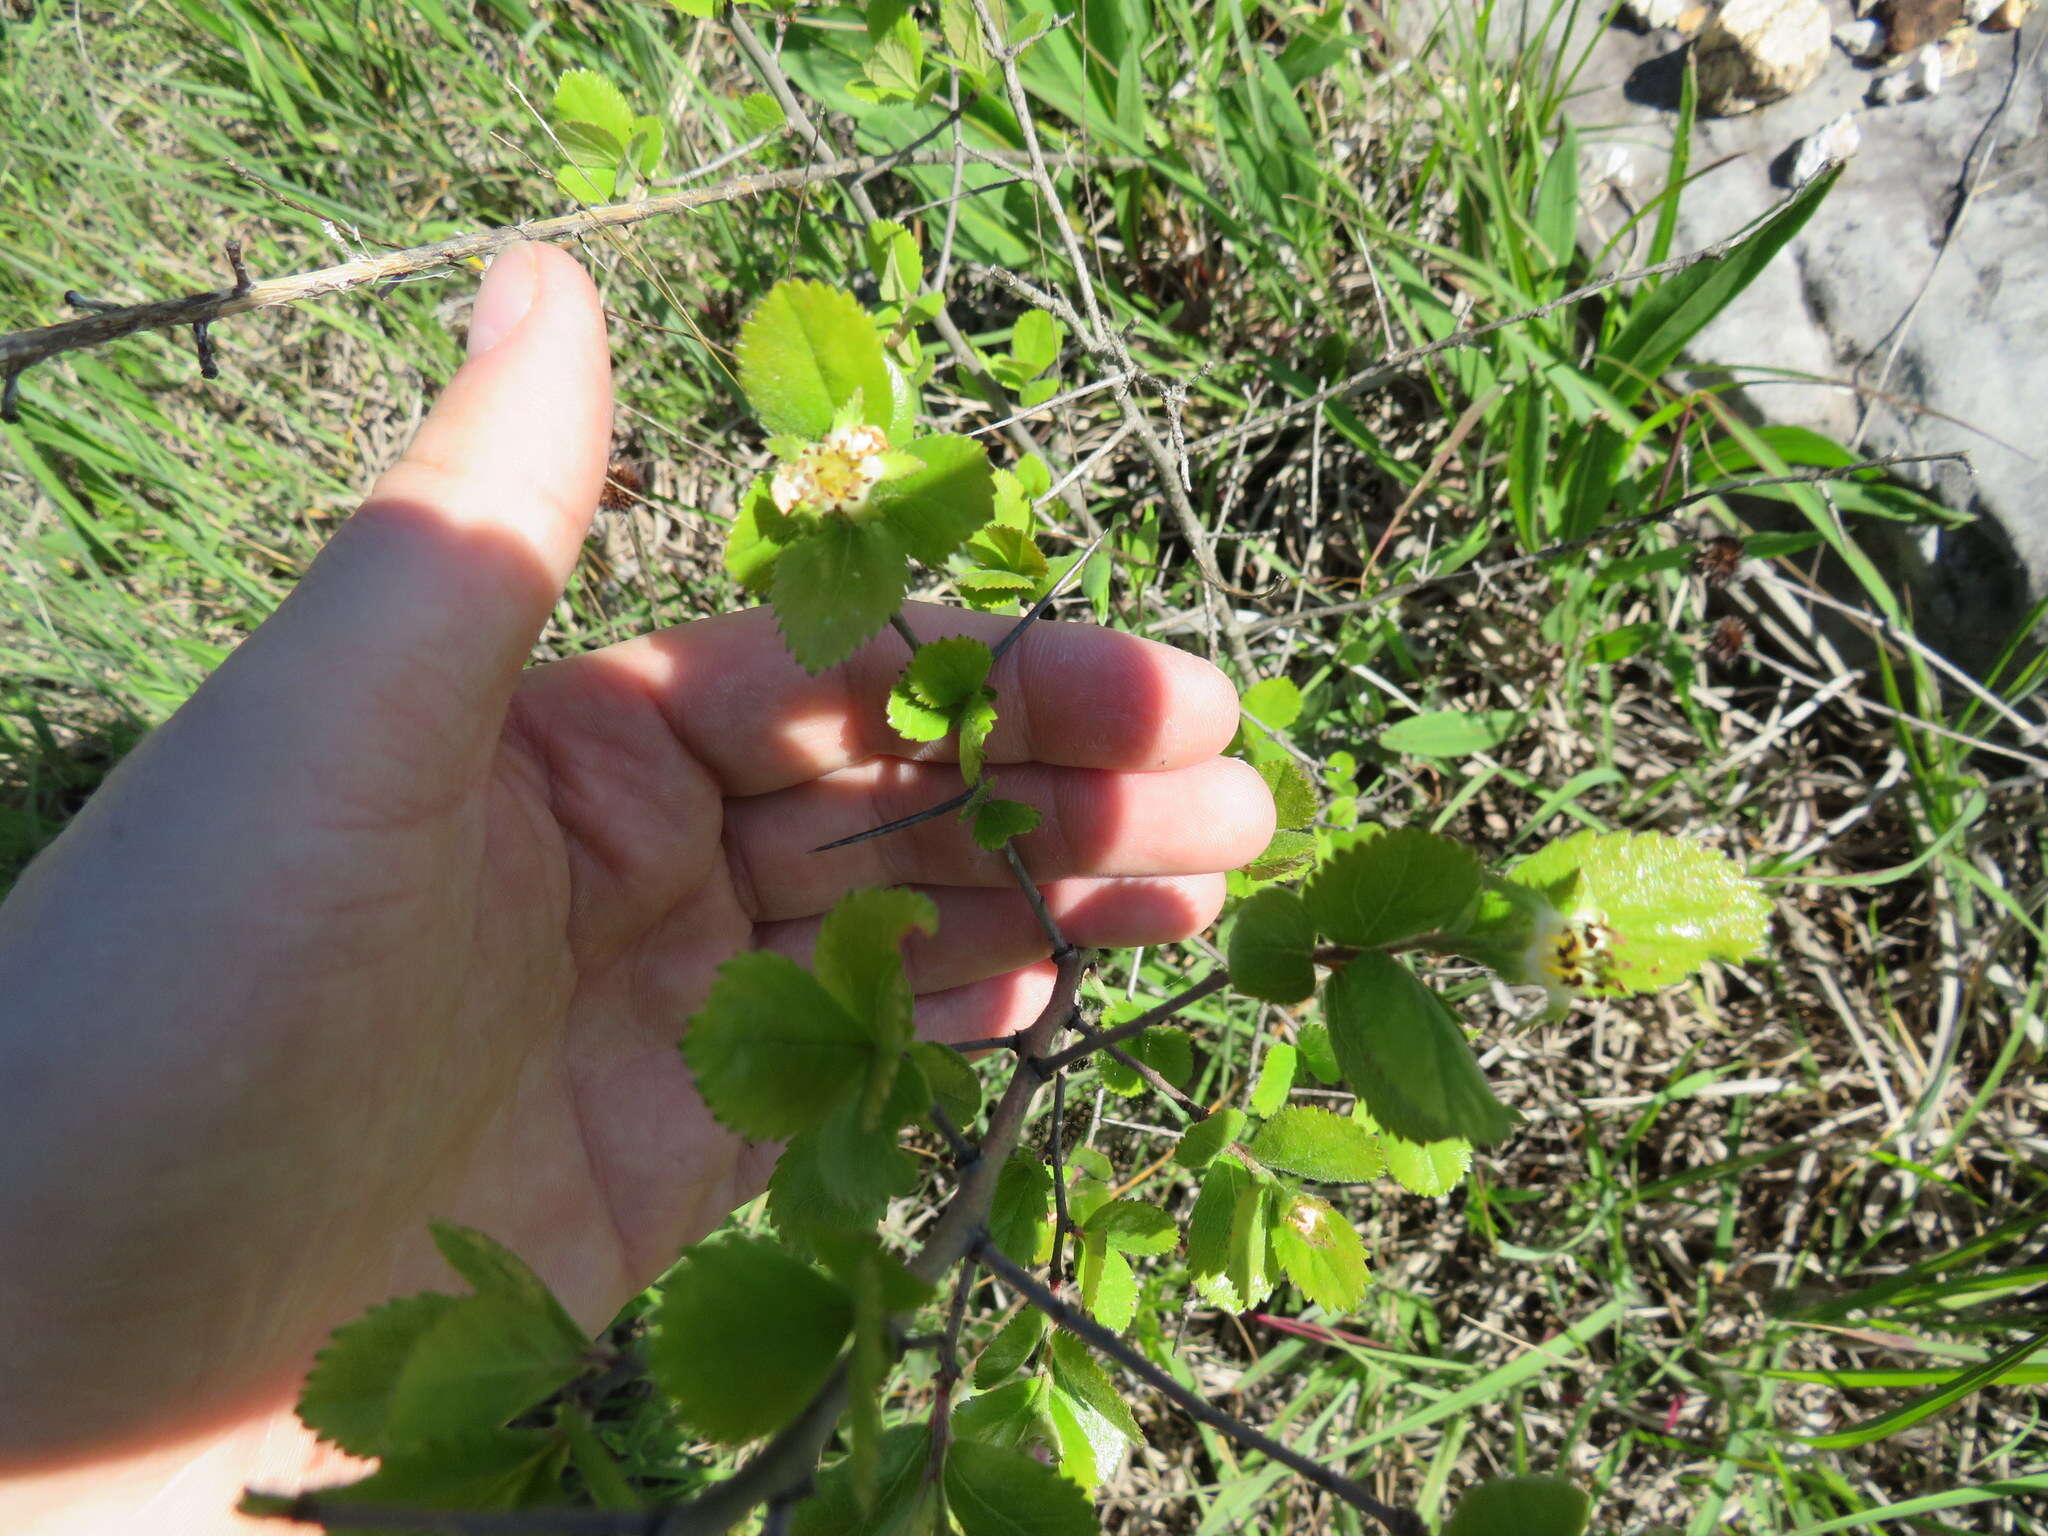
1728	641
1719	560
625	482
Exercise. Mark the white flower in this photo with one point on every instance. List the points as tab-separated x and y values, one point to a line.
834	475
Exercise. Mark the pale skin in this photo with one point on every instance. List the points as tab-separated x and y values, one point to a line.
385	925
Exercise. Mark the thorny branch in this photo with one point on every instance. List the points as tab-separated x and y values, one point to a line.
1399	1522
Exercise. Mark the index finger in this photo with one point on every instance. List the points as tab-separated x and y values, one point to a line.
1068	694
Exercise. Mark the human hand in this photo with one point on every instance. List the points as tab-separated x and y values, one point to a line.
379	928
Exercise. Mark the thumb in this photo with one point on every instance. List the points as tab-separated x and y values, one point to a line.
431	596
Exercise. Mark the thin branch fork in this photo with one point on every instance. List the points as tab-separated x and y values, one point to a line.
19	349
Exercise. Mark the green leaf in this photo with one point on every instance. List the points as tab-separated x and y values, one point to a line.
500	1470
1275	703
913	719
1521	1506
1661	322
590	147
1556	214
938	508
1287	853
961	29
1108	1288
893	257
898	1493
839	1176
1450	732
859	960
945	673
1317	1054
1433	1168
1250	1245
1076	1372
977	720
1272	945
952	1081
1020	1215
495	1270
1205	1139
485	1361
744	1335
760	112
585	96
1167	1051
347	1396
586	185
997	821
1667	904
1009	1349
1407	1057
1209	1231
1090	1448
1276	1078
895	66
1135	1227
835	588
750	551
1294	793
1035	342
1950	1392
1014	1416
1317	1145
772	1050
1392	886
595	1463
995	1492
807	351
1321	1253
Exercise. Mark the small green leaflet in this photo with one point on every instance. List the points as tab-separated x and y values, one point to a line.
1404	1052
1205	1140
1016	1415
1075	1372
1389	886
759	111
834	588
493	1470
806	351
1294	793
485	1361
839	1176
1133	1226
744	1335
1318	1145
346	1400
1451	732
772	1051
952	1081
1009	1349
1209	1232
1108	1288
997	821
493	1269
939	507
1433	1169
899	1490
1521	1506
859	960
1163	1048
1274	703
1248	1268
1321	1253
1669	904
1020	1216
996	1492
1272	945
1317	1054
1276	1078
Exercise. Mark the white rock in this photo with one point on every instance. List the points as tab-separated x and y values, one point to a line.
1921	77
1817	151
1665	13
1977	12
1758	51
1861	40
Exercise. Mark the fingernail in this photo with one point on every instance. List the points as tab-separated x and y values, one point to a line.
505	297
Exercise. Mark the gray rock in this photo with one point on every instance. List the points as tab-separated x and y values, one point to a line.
1907	317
